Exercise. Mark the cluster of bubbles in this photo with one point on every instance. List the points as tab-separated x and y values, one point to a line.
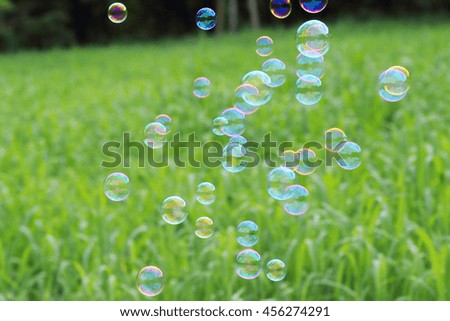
282	8
155	133
117	12
347	152
393	83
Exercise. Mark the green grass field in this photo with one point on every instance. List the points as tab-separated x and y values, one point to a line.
380	232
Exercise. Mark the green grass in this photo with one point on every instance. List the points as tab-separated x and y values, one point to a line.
380	232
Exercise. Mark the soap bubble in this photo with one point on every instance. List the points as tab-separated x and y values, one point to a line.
248	233
155	135
201	87
117	12
206	193
262	82
150	281
303	161
280	8
309	90
217	126
264	46
276	270
205	19
117	187
204	227
235	122
311	64
313	38
313	6
248	91
278	180
164	120
393	83
276	70
234	157
297	201
173	210
349	156
335	139
249	264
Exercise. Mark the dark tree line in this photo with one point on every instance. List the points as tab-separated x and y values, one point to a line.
49	23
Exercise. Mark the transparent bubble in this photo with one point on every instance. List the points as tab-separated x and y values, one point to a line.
264	46
313	64
349	156
280	8
276	70
238	140
155	135
204	227
278	180
262	82
217	126
164	120
116	186
313	38
173	210
117	12
393	84
309	90
276	270
206	193
335	139
313	6
235	122
248	233
248	91
234	158
150	281
206	19
297	201
302	161
201	87
249	264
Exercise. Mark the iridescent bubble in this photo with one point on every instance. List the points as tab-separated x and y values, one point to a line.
202	87
349	156
248	91
206	193
303	161
205	19
204	227
276	70
155	135
248	233
278	180
276	270
173	210
335	139
280	8
116	187
235	122
297	201
264	46
313	6
150	281
117	12
313	64
313	38
164	120
262	82
393	84
217	126
234	157
309	90
249	264
238	139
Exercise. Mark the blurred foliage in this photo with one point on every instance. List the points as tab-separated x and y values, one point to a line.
44	24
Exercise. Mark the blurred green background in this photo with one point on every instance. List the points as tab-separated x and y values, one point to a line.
380	232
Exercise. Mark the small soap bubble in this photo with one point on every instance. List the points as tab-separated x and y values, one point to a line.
117	12
204	227
276	70
234	157
235	122
311	64
313	6
150	281
309	90
280	8
206	193
164	120
302	161
276	270
349	156
202	87
264	46
248	233
217	125
173	210
261	81
313	38
249	264
117	187
155	135
297	201
238	139
278	180
251	93
335	139
206	19
393	84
